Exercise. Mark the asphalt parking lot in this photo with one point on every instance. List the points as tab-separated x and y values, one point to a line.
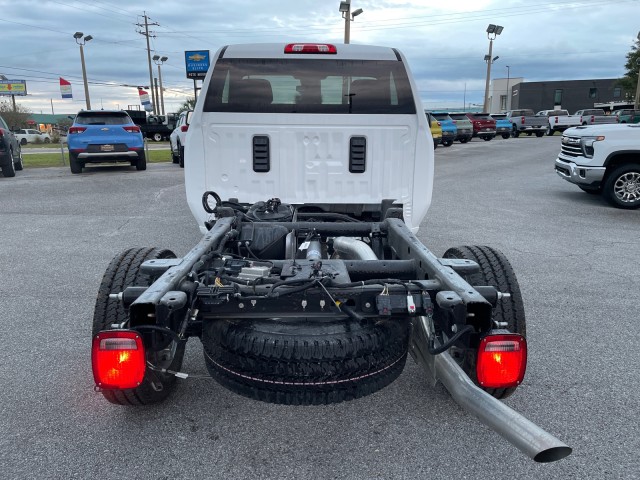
576	259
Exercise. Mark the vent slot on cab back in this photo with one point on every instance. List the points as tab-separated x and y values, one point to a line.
357	154
261	160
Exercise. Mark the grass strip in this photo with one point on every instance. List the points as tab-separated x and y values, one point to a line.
36	160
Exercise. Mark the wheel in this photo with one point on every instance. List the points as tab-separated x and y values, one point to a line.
300	362
141	164
550	131
157	137
122	272
9	170
487	138
75	164
495	270
46	140
622	186
175	157
181	150
584	123
591	190
464	140
19	165
515	132
539	134
447	143
23	141
505	135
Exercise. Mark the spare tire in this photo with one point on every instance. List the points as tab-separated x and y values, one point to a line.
305	362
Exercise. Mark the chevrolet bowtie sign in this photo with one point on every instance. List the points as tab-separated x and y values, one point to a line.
197	63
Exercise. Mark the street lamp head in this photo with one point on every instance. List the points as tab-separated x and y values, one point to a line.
345	5
487	58
495	58
491	28
87	38
164	59
357	12
498	30
155	57
78	35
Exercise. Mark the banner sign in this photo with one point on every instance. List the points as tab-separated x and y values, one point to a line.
65	88
13	87
144	100
197	62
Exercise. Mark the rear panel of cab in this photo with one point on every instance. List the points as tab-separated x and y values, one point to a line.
310	131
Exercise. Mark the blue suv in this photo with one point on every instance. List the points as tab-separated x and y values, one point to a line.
99	136
449	128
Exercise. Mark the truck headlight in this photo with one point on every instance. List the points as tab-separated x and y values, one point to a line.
587	144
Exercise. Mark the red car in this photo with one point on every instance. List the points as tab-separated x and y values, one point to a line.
483	125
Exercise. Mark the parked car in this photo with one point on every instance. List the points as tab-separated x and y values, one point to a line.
595	116
483	125
177	137
503	125
449	129
464	126
99	136
627	116
559	120
436	129
10	151
526	121
30	135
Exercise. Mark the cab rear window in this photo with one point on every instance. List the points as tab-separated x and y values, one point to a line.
309	86
97	118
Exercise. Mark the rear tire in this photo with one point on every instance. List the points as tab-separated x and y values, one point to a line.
19	165
550	132
495	270
122	272
464	140
515	132
141	164
157	137
539	134
74	164
23	141
505	135
300	362
9	170
181	150
447	143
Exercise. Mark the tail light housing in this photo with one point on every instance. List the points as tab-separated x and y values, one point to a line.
184	128
439	124
1	132
132	129
593	118
556	119
522	120
118	359
502	360
73	130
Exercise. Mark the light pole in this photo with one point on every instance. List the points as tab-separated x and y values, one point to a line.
159	61
345	9
508	102
81	40
637	102
492	32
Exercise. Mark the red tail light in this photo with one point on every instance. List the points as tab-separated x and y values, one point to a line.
184	128
321	48
118	359
73	130
439	124
556	119
593	119
502	360
132	129
1	132
522	120
455	121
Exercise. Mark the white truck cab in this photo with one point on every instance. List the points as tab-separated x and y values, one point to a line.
337	128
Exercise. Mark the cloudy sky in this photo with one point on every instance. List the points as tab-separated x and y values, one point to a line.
444	41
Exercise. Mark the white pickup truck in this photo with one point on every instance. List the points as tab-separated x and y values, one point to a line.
309	285
559	120
603	159
595	116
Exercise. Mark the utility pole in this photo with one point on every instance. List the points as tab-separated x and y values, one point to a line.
147	35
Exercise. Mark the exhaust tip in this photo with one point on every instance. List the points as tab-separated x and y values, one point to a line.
553	454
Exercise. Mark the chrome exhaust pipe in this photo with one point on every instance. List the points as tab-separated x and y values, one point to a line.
353	249
538	444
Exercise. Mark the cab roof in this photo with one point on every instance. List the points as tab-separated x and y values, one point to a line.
276	50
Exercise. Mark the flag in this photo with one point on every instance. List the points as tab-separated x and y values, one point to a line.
144	99
65	88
